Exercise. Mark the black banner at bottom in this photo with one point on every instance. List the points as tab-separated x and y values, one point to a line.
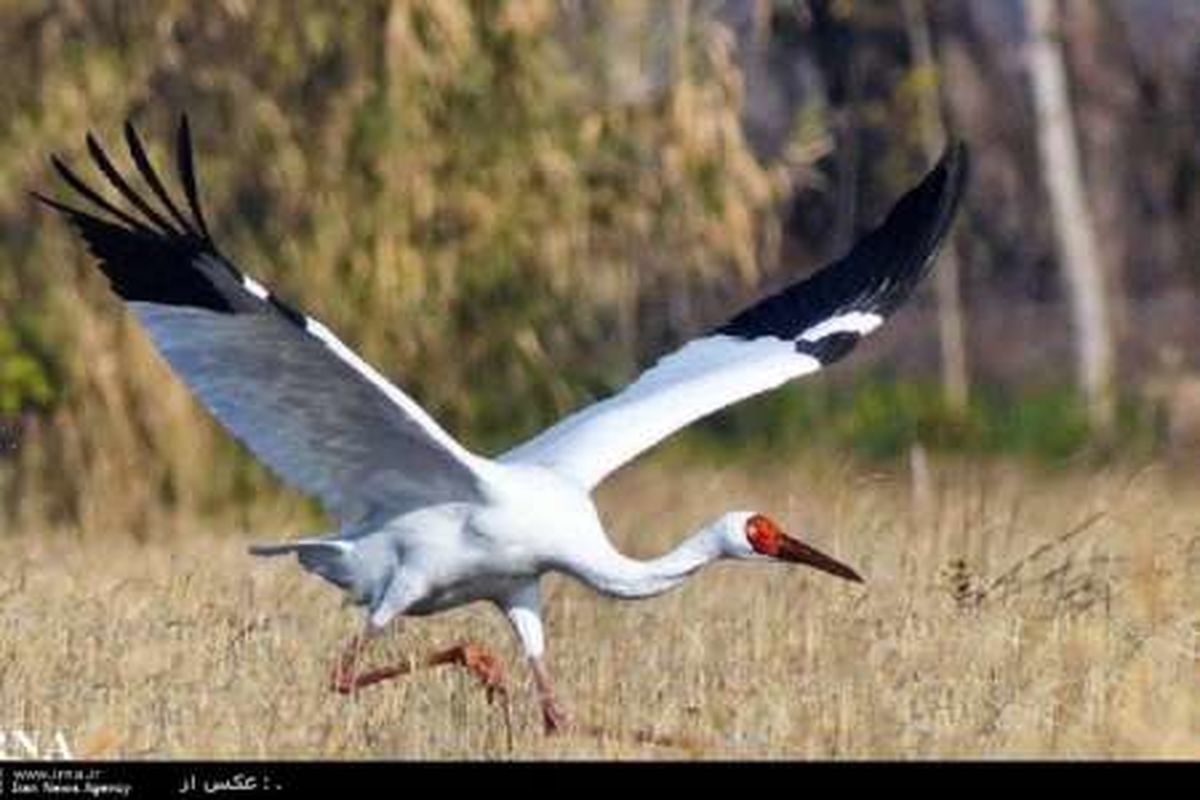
284	779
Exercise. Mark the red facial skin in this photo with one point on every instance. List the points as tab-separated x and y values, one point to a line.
766	538
764	535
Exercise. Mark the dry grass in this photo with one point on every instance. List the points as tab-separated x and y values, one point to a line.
1007	613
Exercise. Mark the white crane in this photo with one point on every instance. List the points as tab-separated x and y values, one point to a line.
425	524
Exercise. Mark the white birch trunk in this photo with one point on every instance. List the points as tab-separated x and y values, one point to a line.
1061	170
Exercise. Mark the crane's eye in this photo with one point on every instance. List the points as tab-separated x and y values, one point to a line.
763	535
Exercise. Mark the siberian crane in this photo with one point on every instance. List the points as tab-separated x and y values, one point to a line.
424	523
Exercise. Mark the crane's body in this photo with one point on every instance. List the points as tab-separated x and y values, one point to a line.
532	522
442	556
425	524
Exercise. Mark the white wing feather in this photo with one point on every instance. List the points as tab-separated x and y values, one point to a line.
796	332
699	378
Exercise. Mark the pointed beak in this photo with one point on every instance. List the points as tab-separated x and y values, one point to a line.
798	552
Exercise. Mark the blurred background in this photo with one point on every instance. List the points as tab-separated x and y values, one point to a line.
510	207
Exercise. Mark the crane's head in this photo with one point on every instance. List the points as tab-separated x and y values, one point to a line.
752	536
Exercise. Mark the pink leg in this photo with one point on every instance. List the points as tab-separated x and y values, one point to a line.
344	678
473	656
553	717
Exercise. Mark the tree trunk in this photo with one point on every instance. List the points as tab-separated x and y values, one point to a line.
951	328
1071	216
1110	115
681	24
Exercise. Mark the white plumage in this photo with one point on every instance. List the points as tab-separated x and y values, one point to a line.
424	523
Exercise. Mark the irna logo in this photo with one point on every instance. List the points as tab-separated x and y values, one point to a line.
21	745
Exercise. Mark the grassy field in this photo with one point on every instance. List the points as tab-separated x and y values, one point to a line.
1008	611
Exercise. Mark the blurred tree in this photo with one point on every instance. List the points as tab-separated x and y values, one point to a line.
437	180
1076	234
951	327
510	206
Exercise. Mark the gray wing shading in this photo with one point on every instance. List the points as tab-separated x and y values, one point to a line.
281	382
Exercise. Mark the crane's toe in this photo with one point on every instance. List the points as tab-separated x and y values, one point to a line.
486	666
554	718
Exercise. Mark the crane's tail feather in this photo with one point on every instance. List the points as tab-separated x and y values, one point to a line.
335	561
284	548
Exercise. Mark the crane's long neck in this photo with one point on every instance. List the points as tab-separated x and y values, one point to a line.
621	576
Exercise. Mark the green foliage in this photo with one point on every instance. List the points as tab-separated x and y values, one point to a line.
880	418
25	378
439	181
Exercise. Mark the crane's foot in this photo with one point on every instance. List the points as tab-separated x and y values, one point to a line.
554	719
476	658
479	660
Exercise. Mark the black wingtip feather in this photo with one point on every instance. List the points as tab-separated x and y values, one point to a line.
187	173
76	183
905	245
138	152
105	165
150	259
141	266
58	206
878	273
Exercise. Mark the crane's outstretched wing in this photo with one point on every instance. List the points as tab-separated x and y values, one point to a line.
798	331
303	402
